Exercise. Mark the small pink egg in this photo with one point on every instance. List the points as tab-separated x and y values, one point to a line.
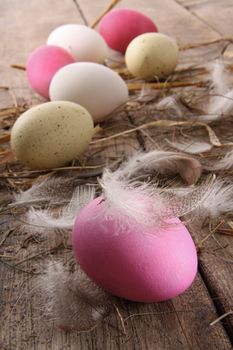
119	27
42	64
130	260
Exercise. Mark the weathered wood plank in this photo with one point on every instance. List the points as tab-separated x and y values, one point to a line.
216	261
216	14
25	26
179	324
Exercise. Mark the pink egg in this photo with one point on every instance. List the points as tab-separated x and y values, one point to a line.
131	261
42	64
119	27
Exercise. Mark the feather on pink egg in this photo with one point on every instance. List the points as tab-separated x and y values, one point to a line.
132	260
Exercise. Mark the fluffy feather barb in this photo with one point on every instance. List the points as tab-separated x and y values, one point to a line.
70	298
162	162
44	218
217	200
146	203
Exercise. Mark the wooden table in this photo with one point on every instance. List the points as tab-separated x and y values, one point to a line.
183	323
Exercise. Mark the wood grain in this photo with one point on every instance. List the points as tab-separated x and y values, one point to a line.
179	324
216	14
216	258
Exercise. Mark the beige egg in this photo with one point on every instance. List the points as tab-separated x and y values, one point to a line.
51	134
151	55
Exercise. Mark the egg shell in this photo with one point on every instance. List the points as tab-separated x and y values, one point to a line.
152	55
131	261
42	64
84	43
120	26
96	87
51	134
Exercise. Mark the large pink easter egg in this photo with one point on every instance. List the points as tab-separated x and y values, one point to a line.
42	64
131	261
120	26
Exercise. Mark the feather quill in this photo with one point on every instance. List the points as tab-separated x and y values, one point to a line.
162	162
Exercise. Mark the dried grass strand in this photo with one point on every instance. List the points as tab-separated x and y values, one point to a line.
206	43
168	123
112	4
164	85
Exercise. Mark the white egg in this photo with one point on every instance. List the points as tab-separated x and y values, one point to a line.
151	55
51	134
84	43
95	87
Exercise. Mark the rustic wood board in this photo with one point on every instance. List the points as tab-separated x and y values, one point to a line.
217	14
178	324
216	256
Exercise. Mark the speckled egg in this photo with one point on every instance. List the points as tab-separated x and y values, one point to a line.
51	134
152	55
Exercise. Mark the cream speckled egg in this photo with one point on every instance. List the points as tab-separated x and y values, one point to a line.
82	42
151	55
95	87
51	134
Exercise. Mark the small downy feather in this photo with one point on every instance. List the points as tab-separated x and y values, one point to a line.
219	81
192	147
217	200
169	103
221	104
70	299
132	200
163	162
46	190
146	203
45	218
225	163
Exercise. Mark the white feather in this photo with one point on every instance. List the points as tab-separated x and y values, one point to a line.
192	147
217	200
134	201
169	102
162	162
218	77
225	163
70	298
145	203
220	105
44	218
49	190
